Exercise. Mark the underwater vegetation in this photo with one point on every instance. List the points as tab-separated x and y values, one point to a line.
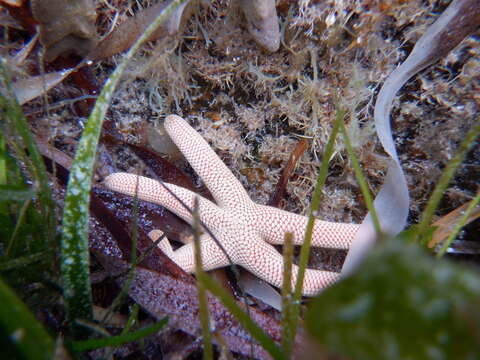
296	98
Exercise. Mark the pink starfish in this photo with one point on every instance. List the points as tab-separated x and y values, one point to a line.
245	229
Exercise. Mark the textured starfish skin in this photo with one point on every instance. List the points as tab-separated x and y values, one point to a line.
245	229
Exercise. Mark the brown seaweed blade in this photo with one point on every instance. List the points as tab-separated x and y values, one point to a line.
162	168
156	287
173	227
163	295
115	213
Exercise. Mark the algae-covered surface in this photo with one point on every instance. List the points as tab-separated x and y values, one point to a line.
254	106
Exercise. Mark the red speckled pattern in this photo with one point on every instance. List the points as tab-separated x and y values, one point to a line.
244	229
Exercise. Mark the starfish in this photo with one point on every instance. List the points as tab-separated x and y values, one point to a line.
245	230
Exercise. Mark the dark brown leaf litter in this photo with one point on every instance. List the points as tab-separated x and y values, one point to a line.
163	295
160	287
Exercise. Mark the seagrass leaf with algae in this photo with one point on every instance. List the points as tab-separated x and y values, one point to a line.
74	243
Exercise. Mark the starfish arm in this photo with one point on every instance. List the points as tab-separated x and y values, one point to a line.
224	186
152	191
266	262
315	280
184	257
273	223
